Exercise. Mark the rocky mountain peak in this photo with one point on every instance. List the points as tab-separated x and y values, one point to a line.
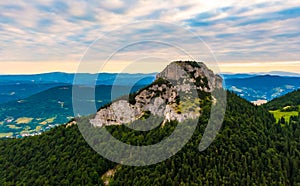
175	95
197	71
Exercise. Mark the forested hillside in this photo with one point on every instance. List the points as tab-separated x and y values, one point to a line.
249	149
290	99
57	157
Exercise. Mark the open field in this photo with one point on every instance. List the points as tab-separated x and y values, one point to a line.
49	120
286	115
23	120
14	127
6	134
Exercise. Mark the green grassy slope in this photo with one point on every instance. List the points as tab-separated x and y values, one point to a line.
286	106
286	115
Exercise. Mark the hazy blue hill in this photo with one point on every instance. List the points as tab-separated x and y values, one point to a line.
52	107
248	75
57	77
265	87
14	87
283	73
15	90
249	86
238	75
68	78
265	81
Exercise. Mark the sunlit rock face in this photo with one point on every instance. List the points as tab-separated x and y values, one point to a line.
173	96
191	72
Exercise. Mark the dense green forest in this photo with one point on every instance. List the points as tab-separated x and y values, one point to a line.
250	149
57	157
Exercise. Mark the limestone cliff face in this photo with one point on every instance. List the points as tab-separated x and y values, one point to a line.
173	96
195	71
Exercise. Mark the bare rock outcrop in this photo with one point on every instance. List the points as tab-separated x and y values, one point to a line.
173	96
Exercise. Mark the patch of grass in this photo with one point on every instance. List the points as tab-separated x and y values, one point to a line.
26	130
24	120
13	127
188	105
286	115
49	120
38	128
9	134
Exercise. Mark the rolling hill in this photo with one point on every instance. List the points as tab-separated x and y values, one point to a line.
40	112
285	108
289	99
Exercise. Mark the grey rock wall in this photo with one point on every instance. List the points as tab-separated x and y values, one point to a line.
160	99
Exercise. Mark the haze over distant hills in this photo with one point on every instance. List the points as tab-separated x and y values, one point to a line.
247	75
23	96
85	78
14	87
262	87
251	86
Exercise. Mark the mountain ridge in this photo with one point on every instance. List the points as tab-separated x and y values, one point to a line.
263	87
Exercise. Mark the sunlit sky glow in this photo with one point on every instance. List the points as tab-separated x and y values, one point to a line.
245	36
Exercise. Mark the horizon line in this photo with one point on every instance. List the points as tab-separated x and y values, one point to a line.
289	73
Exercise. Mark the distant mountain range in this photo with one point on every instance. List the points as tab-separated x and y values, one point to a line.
24	109
249	86
85	78
248	75
14	87
262	87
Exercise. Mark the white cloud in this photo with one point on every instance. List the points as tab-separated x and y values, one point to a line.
53	31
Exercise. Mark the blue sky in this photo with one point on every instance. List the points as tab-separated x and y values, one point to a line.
245	36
